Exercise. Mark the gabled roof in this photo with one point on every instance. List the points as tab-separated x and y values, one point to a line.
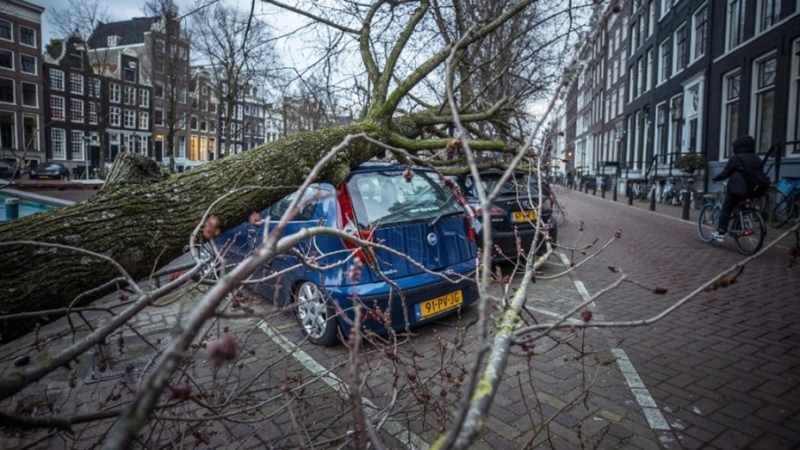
131	32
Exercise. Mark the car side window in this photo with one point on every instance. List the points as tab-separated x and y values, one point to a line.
307	205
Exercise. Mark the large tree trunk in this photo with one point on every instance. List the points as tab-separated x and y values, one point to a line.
143	227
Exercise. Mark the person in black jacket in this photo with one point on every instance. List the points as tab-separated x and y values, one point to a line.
744	158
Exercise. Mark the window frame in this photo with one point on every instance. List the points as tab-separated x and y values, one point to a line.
10	37
114	93
114	116
13	85
734	32
76	80
33	31
36	94
76	112
54	108
793	117
680	54
665	60
759	91
775	16
22	57
129	119
56	75
77	154
58	151
11	59
699	39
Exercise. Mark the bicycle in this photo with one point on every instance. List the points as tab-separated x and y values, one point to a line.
746	226
788	209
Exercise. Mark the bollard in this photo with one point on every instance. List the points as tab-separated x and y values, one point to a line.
629	190
686	201
12	208
603	193
652	200
616	187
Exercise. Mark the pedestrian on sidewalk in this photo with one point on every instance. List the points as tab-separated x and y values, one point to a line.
743	158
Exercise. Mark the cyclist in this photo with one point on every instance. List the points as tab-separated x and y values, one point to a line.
743	158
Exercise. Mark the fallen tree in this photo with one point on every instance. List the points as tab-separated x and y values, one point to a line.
144	226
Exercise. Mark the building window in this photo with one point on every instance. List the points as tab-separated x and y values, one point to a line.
794	101
130	95
650	68
130	118
159	91
663	72
96	88
158	117
113	41
27	36
76	83
92	112
730	111
77	146
30	95
194	123
699	30
30	131
680	49
662	137
28	64
114	116
130	74
765	102
144	98
56	80
76	110
56	107
640	77
735	25
769	12
58	140
114	94
7	91
6	59
665	6
144	120
5	31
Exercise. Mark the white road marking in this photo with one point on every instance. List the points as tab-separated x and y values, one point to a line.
632	379
409	439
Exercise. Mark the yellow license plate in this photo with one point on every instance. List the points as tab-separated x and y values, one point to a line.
438	305
523	216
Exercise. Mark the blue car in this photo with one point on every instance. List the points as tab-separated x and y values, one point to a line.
413	213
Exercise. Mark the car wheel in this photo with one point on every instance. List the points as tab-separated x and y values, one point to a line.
316	315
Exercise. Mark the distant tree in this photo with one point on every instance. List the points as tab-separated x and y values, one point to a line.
169	53
240	52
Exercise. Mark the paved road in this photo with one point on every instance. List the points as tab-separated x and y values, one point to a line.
724	369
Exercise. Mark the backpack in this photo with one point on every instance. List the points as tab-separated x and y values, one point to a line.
757	182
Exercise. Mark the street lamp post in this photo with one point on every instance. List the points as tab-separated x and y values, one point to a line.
87	139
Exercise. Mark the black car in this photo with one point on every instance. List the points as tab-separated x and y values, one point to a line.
50	171
513	212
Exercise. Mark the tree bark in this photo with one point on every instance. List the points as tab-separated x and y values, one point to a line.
144	226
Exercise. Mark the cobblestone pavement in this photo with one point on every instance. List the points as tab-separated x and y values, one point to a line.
720	372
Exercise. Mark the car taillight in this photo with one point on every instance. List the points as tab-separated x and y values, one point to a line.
348	224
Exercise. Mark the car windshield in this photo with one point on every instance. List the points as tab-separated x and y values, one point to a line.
386	197
521	184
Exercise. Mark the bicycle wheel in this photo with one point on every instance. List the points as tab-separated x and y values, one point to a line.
748	230
707	222
782	212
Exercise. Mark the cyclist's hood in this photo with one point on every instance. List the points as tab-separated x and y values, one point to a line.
744	144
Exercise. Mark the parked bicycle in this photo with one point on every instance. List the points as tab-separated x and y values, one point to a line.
746	226
788	209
